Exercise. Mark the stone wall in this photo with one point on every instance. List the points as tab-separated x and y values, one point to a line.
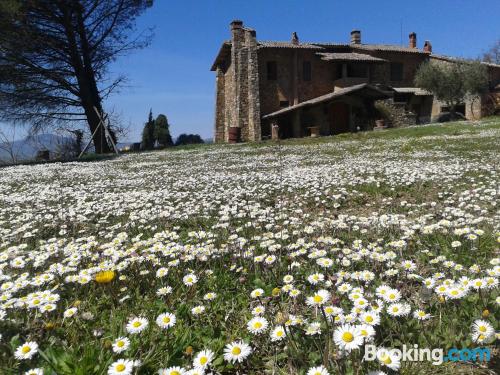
381	73
237	98
290	64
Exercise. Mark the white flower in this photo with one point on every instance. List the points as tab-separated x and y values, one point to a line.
189	279
257	325
278	334
26	350
35	371
70	312
320	370
137	325
197	310
166	320
175	370
388	358
348	337
203	359
319	298
122	367
257	293
121	344
236	351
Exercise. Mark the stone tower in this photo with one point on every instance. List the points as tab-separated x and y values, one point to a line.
237	113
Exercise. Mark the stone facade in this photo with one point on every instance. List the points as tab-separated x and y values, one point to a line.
255	79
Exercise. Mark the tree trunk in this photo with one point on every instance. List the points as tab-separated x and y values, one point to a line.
81	62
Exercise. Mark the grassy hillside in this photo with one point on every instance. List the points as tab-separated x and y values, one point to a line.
305	250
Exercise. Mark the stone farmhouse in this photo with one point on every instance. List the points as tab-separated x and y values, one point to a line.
302	89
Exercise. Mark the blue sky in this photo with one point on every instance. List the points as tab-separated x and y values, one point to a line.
173	75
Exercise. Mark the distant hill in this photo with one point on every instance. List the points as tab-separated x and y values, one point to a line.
26	149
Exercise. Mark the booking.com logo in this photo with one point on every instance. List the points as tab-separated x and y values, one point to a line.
436	356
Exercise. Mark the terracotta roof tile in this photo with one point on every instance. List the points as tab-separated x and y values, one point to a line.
348	56
378	93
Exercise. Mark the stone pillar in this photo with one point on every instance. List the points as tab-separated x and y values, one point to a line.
296	129
220	109
275	130
237	41
253	99
295	77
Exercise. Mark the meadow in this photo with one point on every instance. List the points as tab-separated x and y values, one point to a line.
271	258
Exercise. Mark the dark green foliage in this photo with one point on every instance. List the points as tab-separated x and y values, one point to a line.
148	139
453	82
188	139
162	132
55	58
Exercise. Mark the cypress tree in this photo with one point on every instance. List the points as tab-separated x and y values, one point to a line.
162	131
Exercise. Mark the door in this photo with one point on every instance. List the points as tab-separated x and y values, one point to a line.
340	118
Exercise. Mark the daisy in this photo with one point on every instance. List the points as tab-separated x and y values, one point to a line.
370	317
348	337
209	296
121	344
35	371
70	312
236	351
482	327
278	334
203	359
121	367
197	310
257	325
387	358
320	370
258	310
164	291
319	298
189	279
257	293
313	329
166	320
397	309
137	325
421	315
368	332
27	350
175	370
315	278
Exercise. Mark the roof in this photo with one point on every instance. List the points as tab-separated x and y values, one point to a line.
224	50
388	48
349	56
365	88
456	59
272	44
411	90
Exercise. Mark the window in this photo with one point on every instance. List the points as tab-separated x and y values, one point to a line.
272	71
396	72
306	71
284	103
357	70
338	71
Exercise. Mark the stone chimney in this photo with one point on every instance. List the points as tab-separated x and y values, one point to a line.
427	46
355	37
295	38
237	31
413	40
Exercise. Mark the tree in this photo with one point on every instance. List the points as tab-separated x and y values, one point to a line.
148	138
162	132
453	82
493	54
55	55
188	139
